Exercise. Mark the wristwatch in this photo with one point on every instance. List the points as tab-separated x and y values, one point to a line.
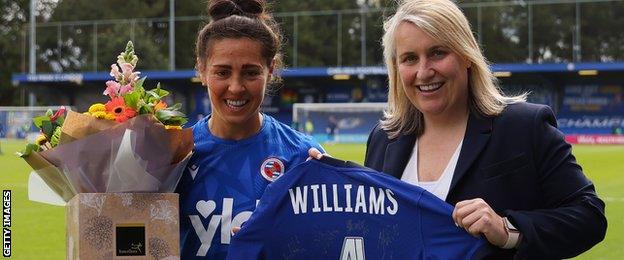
513	240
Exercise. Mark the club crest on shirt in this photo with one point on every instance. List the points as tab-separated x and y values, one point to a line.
272	168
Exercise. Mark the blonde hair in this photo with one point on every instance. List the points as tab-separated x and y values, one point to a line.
443	20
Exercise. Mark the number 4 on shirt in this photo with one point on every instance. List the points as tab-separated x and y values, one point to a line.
352	249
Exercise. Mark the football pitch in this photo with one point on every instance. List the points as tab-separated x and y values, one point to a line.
38	230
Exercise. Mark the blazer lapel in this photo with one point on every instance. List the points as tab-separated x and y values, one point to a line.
397	155
477	135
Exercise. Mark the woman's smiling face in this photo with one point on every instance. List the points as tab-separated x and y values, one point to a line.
434	78
236	75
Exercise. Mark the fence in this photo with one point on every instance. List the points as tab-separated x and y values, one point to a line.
510	32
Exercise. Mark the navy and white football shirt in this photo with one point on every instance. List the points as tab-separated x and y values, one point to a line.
331	209
225	178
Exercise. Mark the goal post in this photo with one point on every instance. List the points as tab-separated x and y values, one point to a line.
337	122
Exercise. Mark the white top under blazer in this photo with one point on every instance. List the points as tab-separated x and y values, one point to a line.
439	188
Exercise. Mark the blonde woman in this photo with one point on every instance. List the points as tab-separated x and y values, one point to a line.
499	160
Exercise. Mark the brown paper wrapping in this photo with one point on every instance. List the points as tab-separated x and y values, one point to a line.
77	125
52	176
86	163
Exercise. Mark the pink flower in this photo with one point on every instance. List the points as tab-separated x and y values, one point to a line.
115	72
114	89
128	75
125	89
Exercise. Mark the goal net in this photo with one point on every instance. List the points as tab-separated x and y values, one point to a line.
337	122
16	122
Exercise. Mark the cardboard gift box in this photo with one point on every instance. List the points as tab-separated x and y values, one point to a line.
123	226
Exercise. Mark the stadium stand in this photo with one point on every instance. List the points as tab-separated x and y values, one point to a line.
585	91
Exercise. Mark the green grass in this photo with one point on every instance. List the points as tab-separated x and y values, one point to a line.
39	230
604	165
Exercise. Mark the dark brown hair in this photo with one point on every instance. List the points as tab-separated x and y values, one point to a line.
233	19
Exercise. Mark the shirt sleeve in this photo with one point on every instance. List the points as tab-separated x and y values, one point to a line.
573	219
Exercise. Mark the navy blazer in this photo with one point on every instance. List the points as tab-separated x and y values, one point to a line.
520	164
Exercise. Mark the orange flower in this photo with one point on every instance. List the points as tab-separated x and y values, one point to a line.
117	106
160	105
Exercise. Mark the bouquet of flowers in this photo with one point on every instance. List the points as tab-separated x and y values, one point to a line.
132	143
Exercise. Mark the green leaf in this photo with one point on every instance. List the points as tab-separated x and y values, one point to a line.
140	105
139	84
176	106
150	107
47	128
39	120
29	149
170	116
132	99
49	113
159	91
146	109
60	120
56	136
151	96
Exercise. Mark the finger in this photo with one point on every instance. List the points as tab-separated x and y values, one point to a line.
458	206
315	153
465	207
487	227
469	220
235	230
478	227
465	202
464	211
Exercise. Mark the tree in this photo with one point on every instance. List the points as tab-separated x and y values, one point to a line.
151	38
186	31
317	35
504	32
602	39
74	50
13	16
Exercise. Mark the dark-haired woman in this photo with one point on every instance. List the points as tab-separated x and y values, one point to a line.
238	149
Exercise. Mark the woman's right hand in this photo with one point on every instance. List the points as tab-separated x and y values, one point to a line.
477	217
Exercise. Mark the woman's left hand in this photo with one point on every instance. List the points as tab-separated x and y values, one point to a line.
235	230
477	217
316	154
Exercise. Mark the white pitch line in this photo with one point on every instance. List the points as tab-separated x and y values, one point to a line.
613	199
